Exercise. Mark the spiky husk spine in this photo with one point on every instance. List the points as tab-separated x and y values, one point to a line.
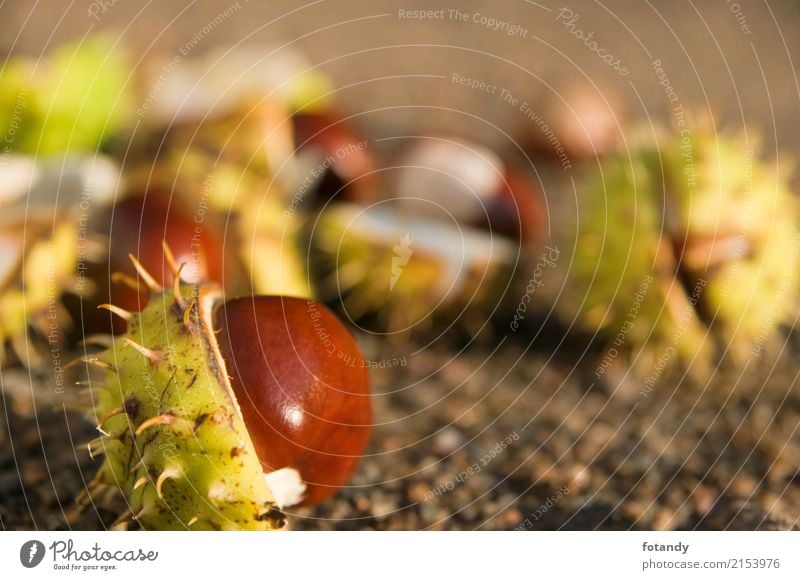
173	438
679	253
238	166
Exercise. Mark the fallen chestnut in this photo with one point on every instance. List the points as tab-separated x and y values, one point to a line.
138	226
470	184
441	250
215	414
338	155
700	243
302	386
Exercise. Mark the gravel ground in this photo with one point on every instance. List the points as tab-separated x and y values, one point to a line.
498	439
579	457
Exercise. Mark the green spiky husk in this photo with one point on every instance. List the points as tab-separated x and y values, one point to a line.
619	269
75	99
745	206
366	266
214	479
682	251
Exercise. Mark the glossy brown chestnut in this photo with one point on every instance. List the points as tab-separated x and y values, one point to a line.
139	225
302	386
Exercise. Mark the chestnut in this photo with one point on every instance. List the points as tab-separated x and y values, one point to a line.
142	225
440	250
302	387
454	179
338	153
215	414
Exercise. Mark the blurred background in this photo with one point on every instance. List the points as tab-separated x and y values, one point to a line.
734	58
481	424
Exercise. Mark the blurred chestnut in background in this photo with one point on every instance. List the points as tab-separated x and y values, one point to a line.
471	184
139	225
334	157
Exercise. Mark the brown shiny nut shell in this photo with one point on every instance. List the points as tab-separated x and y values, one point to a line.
302	386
